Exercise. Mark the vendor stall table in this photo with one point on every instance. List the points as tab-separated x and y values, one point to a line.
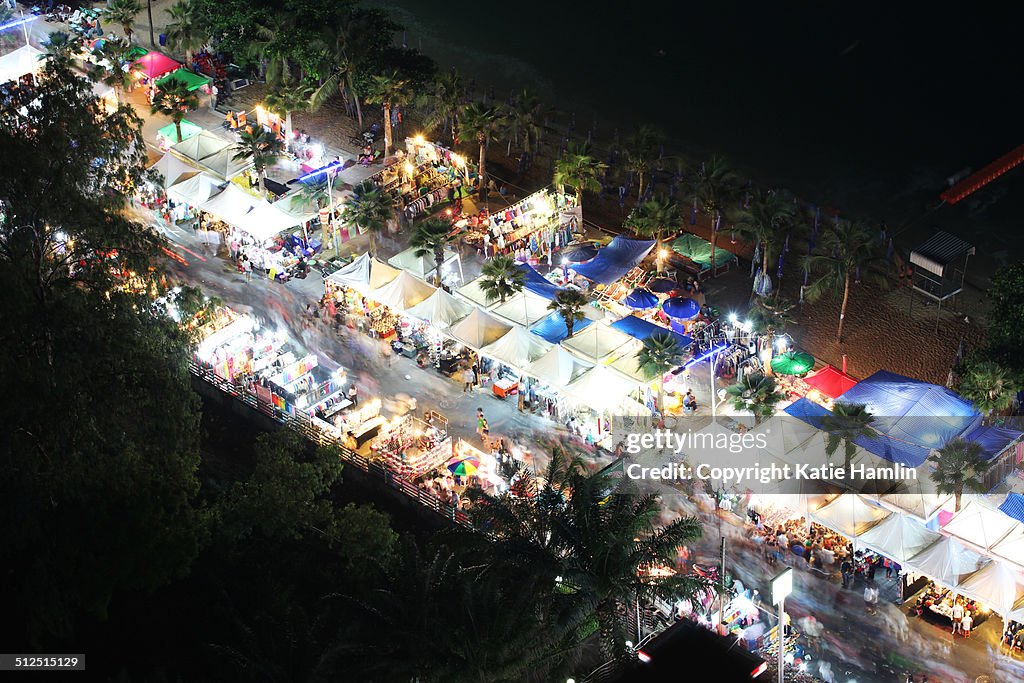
504	387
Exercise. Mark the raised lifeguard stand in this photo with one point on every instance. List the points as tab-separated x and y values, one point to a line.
940	268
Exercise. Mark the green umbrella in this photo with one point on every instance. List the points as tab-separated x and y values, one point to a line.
792	363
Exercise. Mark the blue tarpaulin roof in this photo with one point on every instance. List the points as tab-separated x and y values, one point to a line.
552	328
615	260
641	329
1013	506
808	411
993	440
537	283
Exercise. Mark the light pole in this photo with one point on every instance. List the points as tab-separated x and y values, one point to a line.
782	586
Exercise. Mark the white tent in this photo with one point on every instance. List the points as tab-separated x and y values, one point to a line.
597	342
298	206
172	169
980	525
600	389
224	164
424	266
850	515
471	292
21	62
947	561
195	190
524	308
558	367
199	147
231	205
518	348
629	367
478	330
403	292
265	221
919	504
898	537
996	585
783	434
1011	548
441	309
357	272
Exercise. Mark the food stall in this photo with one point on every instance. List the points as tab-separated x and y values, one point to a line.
411	447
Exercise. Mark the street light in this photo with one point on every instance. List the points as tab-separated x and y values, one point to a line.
782	587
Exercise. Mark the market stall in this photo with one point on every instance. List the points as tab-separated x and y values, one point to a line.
598	343
198	147
552	328
153	65
21	63
195	190
534	227
979	525
167	136
698	251
478	330
424	266
403	292
172	170
616	260
411	447
441	310
523	308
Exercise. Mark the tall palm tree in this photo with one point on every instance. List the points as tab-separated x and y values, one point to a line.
339	48
847	423
525	118
661	352
123	12
592	542
569	303
273	43
483	123
579	170
848	254
642	149
989	386
655	218
431	237
766	221
501	278
261	149
185	31
114	69
283	100
61	47
173	98
958	467
715	187
388	91
443	103
756	394
369	209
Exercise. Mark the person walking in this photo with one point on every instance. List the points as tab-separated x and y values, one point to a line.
353	395
957	616
846	570
966	623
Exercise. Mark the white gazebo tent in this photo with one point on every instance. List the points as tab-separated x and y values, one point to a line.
424	266
524	308
224	164
230	205
199	147
518	348
919	504
172	169
628	367
947	561
472	292
478	330
558	367
600	389
195	190
784	434
996	585
265	221
298	206
21	62
980	525
850	515
357	272
1011	548
597	342
441	309
898	537
403	292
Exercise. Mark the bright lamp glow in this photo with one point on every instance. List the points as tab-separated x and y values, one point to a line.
419	140
733	318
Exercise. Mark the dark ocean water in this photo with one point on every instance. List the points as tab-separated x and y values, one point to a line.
864	106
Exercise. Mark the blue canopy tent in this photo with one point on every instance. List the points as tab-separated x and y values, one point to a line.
641	329
681	308
580	252
615	260
1013	506
993	440
662	285
552	328
537	283
640	299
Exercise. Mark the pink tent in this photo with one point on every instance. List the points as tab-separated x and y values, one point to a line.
155	65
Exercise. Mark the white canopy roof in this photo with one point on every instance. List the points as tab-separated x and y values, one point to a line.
601	389
898	537
403	292
558	367
478	330
629	368
980	525
231	205
201	146
356	272
441	309
947	561
298	206
25	60
524	308
172	169
995	585
420	266
265	221
471	292
920	504
850	515
195	190
224	164
1011	548
784	434
518	348
597	342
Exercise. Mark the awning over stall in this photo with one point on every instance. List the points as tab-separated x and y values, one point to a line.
850	515
441	309
980	525
552	328
558	367
193	80
21	62
831	382
537	283
352	274
898	537
600	389
618	258
996	585
641	329
188	130
523	308
265	221
478	330
423	266
947	561
195	190
472	292
597	342
402	293
224	164
171	168
230	205
518	348
200	146
698	250
155	65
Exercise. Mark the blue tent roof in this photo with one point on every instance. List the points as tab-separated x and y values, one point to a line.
615	260
993	440
641	329
537	283
808	411
552	328
1013	506
640	299
681	308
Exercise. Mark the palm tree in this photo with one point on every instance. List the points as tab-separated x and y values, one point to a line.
338	48
756	394
525	117
173	98
989	386
579	170
283	100
123	12
261	149
569	303
661	352
185	33
274	43
654	218
61	47
715	190
849	253
444	103
388	91
958	466
114	69
847	423
369	209
483	123
642	149
766	221
501	277
431	237
591	542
